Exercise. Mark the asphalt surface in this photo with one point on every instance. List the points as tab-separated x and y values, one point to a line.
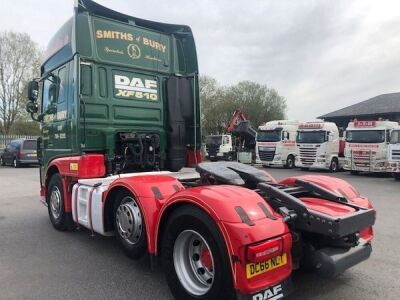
38	262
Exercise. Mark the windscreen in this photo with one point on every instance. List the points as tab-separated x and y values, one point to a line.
269	135
214	140
131	45
365	136
395	137
311	137
30	145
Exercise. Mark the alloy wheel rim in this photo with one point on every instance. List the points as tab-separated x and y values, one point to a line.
55	202
194	262
129	221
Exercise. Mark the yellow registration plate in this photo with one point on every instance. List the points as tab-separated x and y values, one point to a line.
255	269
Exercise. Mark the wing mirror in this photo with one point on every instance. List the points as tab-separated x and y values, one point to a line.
33	90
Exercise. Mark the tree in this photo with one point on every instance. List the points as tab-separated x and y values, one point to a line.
258	102
211	95
19	62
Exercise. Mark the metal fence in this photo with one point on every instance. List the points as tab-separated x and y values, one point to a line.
5	139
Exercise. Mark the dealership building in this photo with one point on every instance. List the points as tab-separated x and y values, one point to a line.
386	106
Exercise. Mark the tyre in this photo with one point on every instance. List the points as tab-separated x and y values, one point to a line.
60	219
230	157
334	167
16	163
129	225
290	162
2	163
396	176
354	172
194	257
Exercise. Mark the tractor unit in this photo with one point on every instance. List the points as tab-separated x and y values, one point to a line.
118	103
367	146
276	143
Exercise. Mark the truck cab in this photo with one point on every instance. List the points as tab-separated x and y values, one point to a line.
276	143
318	144
219	147
121	87
367	144
394	153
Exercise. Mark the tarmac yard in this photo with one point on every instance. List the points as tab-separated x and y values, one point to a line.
38	262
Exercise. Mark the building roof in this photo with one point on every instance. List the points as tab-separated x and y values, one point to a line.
382	104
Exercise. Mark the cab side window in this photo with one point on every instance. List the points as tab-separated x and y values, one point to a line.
62	91
54	90
45	93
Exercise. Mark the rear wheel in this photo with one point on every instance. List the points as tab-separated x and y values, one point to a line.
60	219
290	162
194	257
129	225
334	165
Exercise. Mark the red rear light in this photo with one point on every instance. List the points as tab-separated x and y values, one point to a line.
265	250
21	153
268	249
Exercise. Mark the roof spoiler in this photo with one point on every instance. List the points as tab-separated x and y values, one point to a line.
96	9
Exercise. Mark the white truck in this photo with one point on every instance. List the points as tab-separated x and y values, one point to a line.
219	147
318	146
276	143
367	146
394	153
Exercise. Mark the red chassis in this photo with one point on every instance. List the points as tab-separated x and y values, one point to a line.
266	229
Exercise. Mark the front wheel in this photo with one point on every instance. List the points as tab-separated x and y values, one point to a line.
334	165
290	162
60	219
129	225
194	257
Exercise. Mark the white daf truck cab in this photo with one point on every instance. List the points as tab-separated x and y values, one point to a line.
394	153
318	146
219	147
367	144
276	143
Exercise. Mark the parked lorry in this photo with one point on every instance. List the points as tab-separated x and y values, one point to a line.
394	153
220	147
118	102
276	143
237	144
367	144
318	146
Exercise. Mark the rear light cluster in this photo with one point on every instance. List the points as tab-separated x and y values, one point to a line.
21	153
268	249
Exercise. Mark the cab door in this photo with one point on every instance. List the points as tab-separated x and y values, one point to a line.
55	92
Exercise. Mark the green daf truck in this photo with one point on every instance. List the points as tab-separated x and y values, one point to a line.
121	86
118	103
